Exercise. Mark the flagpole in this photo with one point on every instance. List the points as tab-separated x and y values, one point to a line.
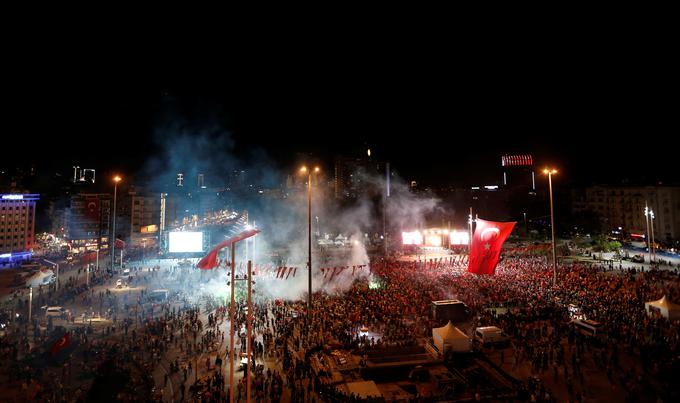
232	318
470	239
249	328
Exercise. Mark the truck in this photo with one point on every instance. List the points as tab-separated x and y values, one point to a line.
450	310
489	335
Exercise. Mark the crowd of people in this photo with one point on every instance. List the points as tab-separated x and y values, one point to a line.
186	340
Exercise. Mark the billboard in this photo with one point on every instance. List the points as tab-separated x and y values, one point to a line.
523	160
185	242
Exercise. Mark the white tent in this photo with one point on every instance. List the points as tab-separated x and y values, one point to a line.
450	338
666	308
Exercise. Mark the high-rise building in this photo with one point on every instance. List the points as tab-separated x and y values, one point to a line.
356	176
17	226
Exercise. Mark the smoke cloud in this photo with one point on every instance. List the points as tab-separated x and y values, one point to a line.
275	199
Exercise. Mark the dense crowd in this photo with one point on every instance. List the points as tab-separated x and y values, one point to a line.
187	337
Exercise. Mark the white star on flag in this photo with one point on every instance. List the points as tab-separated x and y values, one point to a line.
487	246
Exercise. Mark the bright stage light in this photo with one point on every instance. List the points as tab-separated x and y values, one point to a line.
459	237
433	240
412	238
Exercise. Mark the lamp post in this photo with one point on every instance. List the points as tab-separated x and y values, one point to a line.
56	265
30	303
651	224
550	173
649	245
309	230
116	179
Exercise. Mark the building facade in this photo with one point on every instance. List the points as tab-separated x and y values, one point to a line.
623	207
17	224
145	218
88	221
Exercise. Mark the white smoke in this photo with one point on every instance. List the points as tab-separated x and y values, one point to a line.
191	148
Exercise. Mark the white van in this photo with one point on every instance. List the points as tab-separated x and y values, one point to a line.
55	311
490	335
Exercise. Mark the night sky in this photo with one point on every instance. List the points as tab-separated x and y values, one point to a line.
597	116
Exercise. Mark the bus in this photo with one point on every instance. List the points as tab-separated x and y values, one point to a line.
158	296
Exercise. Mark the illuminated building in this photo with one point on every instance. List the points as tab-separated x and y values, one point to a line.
17	226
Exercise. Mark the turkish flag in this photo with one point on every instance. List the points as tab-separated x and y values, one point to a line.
209	261
119	244
92	209
64	341
486	245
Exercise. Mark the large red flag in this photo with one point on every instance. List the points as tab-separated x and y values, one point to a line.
486	245
209	261
92	209
60	344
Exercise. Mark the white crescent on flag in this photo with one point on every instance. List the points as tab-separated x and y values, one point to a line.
496	230
91	205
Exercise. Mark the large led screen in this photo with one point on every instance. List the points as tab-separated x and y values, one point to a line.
186	242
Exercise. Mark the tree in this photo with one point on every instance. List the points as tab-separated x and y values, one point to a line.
600	244
615	246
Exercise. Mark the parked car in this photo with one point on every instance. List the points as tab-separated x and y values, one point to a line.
638	258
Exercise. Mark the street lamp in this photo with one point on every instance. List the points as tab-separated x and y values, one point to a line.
649	248
116	179
56	266
550	173
309	230
651	224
